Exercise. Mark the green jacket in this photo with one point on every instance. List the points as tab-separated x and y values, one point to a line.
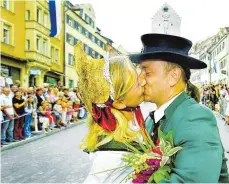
202	158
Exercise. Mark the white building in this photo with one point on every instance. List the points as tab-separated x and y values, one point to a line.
214	51
80	25
166	21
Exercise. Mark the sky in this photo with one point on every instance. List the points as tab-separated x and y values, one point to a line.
124	21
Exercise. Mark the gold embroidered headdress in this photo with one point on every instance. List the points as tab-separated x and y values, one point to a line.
93	86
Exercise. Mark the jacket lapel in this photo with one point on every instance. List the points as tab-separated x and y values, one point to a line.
169	111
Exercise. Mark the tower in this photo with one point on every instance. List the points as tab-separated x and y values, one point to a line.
166	21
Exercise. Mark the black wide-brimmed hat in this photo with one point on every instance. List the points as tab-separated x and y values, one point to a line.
167	48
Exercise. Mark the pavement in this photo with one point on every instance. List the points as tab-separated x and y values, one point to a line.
38	135
51	159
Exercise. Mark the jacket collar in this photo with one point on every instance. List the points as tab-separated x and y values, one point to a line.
172	107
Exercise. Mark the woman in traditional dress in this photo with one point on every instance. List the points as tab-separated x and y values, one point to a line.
111	91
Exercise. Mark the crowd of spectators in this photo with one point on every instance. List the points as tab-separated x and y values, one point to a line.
37	108
216	97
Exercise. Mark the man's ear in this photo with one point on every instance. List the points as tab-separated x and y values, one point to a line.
174	76
118	104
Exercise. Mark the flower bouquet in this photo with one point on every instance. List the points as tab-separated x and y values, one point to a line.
151	163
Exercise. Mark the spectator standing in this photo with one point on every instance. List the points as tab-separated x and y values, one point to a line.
39	97
7	127
19	107
29	109
13	89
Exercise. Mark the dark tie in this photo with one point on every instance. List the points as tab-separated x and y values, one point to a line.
155	128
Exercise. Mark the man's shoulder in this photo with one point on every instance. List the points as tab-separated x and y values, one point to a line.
191	114
191	107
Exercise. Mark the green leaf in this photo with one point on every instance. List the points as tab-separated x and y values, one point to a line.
132	148
160	133
151	179
158	177
173	151
144	148
161	173
162	145
164	160
169	137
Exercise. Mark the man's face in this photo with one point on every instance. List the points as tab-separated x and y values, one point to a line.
40	92
14	88
6	91
157	84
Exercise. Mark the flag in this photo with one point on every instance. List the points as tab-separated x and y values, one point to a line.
55	17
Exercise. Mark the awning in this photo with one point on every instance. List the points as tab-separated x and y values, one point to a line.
58	73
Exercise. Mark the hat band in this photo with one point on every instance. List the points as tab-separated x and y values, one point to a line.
165	49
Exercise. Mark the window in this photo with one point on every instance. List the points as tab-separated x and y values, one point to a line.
75	25
52	53
70	39
38	15
70	83
70	22
27	15
92	38
83	30
45	47
98	42
38	43
70	59
57	55
75	41
86	33
27	44
86	49
6	4
6	34
45	19
92	24
80	29
87	19
223	45
81	13
93	54
67	18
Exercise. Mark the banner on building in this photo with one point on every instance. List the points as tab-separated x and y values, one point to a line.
55	17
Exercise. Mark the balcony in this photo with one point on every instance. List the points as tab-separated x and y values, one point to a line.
38	27
37	57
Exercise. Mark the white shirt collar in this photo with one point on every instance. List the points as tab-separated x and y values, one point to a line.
159	113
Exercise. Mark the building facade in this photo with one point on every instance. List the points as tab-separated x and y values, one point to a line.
44	55
166	21
214	51
81	26
12	24
28	53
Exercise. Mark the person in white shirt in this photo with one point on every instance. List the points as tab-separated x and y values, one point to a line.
8	116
